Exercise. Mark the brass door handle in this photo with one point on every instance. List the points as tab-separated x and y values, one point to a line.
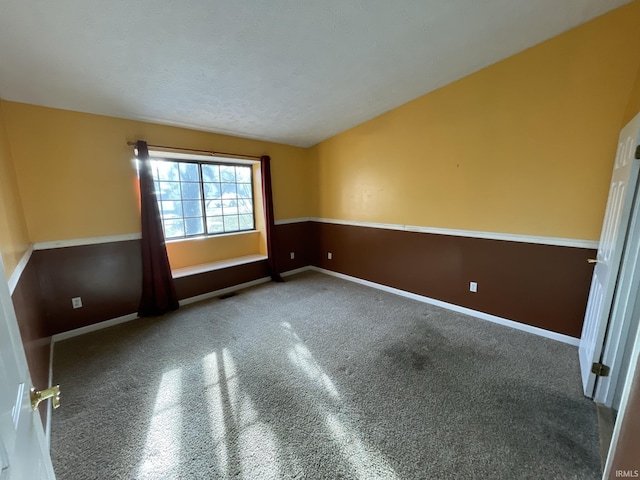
592	260
38	396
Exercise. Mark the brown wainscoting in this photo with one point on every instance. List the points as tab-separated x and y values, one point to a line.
541	285
298	238
201	283
33	328
107	276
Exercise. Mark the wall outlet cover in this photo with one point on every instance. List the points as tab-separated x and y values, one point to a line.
473	287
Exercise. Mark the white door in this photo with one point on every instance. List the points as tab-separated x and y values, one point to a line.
23	447
624	319
612	240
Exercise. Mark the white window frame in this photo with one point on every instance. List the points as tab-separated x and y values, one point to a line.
157	155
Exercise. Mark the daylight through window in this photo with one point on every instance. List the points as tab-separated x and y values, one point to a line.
202	198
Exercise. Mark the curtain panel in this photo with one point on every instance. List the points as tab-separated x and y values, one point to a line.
267	201
158	291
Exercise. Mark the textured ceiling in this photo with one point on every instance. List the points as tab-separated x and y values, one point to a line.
281	70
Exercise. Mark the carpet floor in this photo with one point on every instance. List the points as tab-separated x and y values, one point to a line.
319	378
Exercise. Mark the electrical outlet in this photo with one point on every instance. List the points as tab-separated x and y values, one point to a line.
76	302
473	287
293	255
329	255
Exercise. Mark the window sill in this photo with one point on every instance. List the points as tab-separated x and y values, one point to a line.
205	237
219	265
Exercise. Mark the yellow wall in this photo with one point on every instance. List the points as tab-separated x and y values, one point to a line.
524	146
633	107
13	231
77	178
192	252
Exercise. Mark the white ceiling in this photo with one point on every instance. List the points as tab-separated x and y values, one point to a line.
294	72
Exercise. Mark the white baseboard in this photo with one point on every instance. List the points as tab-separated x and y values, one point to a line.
421	298
133	316
92	328
288	273
456	308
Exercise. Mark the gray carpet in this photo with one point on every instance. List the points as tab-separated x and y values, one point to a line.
320	378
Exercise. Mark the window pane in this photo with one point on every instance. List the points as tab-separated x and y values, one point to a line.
192	208
245	206
243	174
167	171
191	191
227	173
215	225
244	190
228	197
169	191
194	225
246	222
214	208
229	207
171	209
173	228
189	172
229	190
211	190
210	173
230	223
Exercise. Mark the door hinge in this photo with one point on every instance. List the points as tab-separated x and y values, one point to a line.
638	152
600	370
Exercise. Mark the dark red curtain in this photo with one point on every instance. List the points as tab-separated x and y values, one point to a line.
158	291
267	201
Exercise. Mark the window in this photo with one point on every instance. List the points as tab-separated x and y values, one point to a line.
202	198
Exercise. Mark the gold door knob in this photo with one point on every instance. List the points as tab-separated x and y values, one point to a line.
38	396
592	260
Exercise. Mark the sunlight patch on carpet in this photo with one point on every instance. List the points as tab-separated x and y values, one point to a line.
162	448
215	408
366	463
302	358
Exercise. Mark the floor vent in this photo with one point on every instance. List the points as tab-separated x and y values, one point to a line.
227	295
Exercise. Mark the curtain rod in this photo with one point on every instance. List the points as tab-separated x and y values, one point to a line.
133	144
